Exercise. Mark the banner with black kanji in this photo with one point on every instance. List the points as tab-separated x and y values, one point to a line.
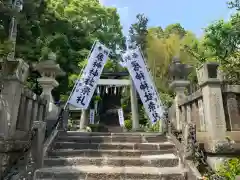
86	85
145	87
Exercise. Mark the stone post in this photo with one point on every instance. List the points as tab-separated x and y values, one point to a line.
208	79
83	119
49	70
14	74
38	143
134	106
65	117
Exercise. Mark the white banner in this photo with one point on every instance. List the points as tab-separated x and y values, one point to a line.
91	116
86	85
143	82
121	117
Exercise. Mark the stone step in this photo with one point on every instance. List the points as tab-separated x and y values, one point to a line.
110	173
108	153
110	139
116	129
127	134
166	160
78	133
133	146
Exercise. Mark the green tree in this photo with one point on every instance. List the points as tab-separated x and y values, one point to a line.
138	31
162	46
235	4
222	40
174	29
68	28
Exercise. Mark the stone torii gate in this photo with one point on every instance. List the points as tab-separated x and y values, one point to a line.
133	97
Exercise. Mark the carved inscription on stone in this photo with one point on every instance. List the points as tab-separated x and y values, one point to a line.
216	109
201	116
218	123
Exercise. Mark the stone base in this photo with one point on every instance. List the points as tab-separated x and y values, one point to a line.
10	152
12	146
218	147
137	130
4	164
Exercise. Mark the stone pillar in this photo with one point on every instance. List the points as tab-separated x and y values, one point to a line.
14	72
83	119
233	111
134	106
208	79
202	122
38	143
65	117
13	87
11	94
179	87
49	70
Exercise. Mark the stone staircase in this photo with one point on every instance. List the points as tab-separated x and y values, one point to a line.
111	156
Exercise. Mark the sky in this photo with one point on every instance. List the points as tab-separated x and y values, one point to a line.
193	15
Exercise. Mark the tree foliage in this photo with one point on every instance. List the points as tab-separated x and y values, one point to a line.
175	29
230	169
222	40
162	46
235	4
68	28
138	32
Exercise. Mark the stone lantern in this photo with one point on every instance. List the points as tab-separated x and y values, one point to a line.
49	70
178	73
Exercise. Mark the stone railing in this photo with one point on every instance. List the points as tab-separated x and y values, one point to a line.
32	108
27	135
24	117
231	102
191	110
210	116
